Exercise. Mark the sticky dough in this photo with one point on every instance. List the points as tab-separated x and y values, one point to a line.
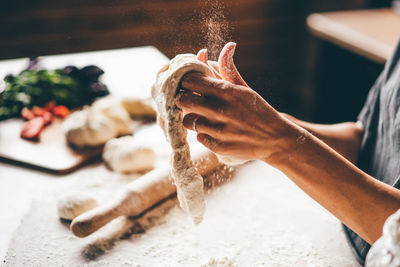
188	181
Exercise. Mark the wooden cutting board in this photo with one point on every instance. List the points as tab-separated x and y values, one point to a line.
52	153
129	72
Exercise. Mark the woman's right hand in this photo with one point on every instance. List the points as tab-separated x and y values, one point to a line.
233	120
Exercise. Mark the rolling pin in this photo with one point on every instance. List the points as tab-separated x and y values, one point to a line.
139	195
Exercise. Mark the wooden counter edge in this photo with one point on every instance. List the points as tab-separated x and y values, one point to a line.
361	44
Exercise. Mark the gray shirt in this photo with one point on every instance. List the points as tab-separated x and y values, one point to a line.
380	148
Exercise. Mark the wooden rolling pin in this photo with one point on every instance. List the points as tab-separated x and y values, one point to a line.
139	195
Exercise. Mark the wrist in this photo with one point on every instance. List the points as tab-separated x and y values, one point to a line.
292	142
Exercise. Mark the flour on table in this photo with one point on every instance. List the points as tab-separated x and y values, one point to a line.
188	181
246	224
220	262
73	204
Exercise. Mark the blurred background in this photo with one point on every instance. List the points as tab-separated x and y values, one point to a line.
276	54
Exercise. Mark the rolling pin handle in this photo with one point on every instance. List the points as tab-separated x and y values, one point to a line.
138	196
89	222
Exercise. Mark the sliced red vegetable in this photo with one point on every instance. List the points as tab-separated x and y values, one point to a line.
60	111
38	111
31	129
27	114
49	106
48	118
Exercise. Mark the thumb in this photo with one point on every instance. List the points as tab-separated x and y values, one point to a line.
227	68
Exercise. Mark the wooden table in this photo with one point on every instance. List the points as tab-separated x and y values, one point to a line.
369	33
260	217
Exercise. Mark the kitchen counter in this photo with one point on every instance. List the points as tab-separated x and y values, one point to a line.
256	218
370	33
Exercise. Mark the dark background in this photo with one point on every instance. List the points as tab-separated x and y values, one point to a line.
277	56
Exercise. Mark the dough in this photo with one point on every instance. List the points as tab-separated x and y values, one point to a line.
88	128
95	125
125	155
189	182
140	108
385	252
231	161
112	108
72	205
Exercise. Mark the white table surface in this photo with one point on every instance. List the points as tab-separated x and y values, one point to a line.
130	72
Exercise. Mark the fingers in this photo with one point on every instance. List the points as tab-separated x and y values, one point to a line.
223	69
223	147
202	84
202	55
227	68
190	121
209	142
200	124
214	66
191	102
216	129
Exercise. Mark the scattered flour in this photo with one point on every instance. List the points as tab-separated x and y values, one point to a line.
215	28
220	262
258	218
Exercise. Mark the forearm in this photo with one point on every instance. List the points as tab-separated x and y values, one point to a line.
358	200
345	137
235	121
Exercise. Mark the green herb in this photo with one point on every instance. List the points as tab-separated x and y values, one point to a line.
70	86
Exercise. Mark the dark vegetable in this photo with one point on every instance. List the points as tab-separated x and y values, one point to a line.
69	70
90	73
34	64
70	86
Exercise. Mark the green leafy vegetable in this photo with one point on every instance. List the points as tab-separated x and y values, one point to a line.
69	86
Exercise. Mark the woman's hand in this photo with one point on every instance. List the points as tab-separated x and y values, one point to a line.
233	120
230	118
